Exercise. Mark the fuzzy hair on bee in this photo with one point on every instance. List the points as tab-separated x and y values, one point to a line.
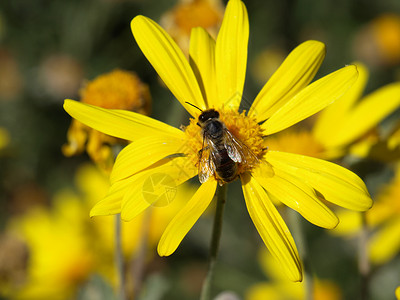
222	153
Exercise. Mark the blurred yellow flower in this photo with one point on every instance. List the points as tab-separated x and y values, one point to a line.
384	220
188	14
280	288
214	78
66	247
378	42
94	186
60	255
346	125
266	63
398	293
118	89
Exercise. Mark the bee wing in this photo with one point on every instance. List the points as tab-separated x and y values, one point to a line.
206	165
238	151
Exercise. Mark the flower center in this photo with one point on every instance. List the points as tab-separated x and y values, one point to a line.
197	13
242	127
117	89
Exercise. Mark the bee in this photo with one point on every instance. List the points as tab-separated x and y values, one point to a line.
222	153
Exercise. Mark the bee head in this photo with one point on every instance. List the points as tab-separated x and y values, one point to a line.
208	114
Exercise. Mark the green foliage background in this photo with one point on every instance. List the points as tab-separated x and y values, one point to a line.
96	34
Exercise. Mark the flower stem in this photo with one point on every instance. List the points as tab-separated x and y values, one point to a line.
119	259
138	262
216	235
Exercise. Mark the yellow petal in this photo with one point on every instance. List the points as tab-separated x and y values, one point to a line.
330	119
299	196
123	124
169	62
311	99
394	139
231	54
295	73
111	203
144	152
385	244
337	184
137	198
271	228
350	222
186	218
371	110
202	61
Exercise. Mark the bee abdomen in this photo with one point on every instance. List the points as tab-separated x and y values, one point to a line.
226	168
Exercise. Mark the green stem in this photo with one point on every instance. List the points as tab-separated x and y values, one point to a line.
119	258
138	263
216	235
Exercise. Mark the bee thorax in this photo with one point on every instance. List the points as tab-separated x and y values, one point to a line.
214	129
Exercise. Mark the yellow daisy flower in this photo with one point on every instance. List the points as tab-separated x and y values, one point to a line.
63	247
378	41
213	78
345	123
343	126
59	256
187	14
118	89
383	219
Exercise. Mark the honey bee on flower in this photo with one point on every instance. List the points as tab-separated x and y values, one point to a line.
212	82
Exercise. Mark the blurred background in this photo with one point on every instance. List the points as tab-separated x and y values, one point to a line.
52	50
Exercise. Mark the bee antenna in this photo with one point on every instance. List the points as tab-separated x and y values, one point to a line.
193	106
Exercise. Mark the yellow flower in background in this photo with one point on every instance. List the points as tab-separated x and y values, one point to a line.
118	89
214	78
94	186
60	256
345	125
384	220
353	116
378	42
398	293
280	288
66	247
266	63
188	14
